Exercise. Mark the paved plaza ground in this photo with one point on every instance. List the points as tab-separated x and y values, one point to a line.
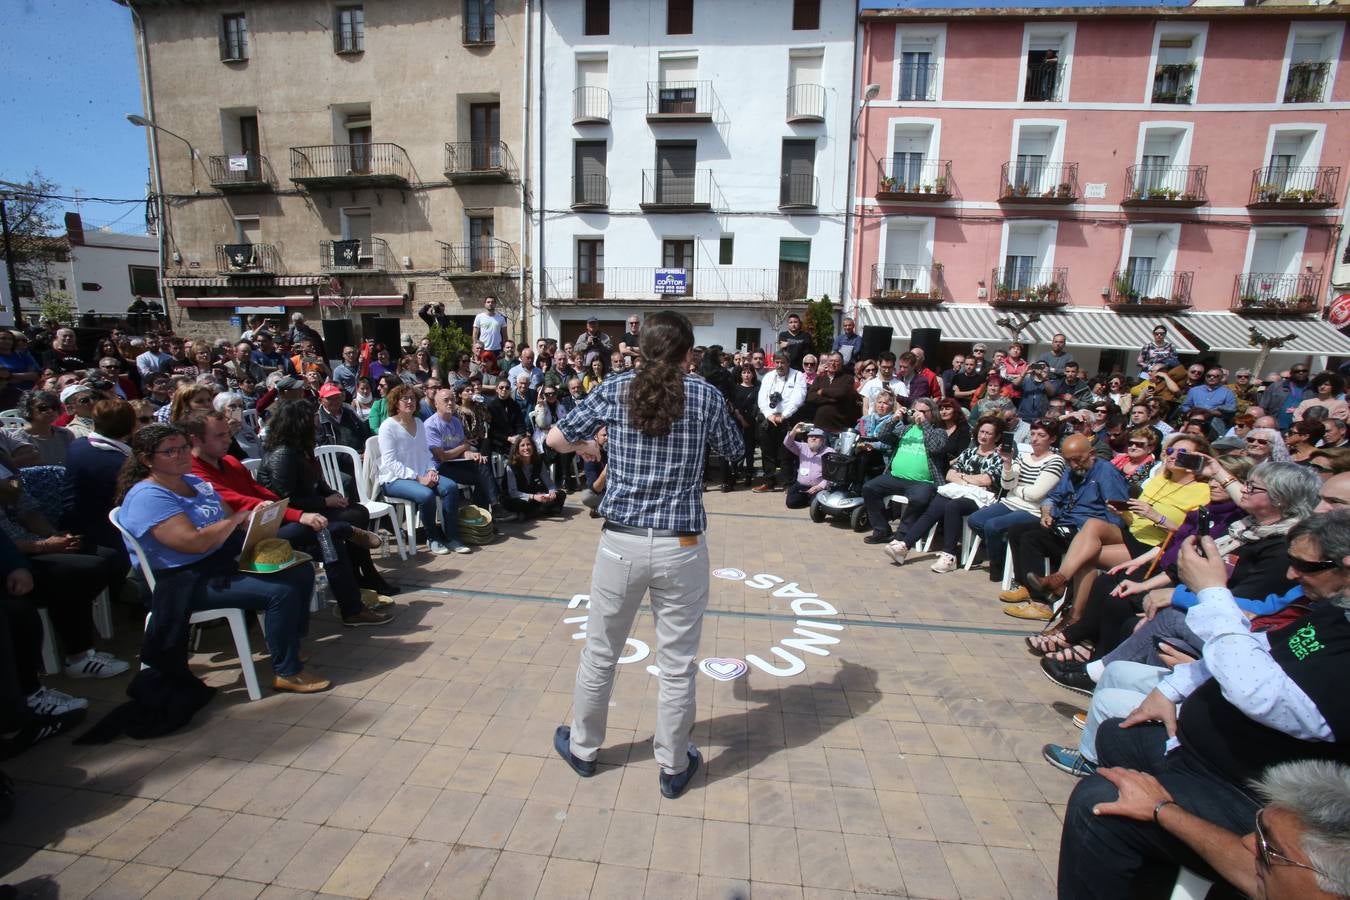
903	760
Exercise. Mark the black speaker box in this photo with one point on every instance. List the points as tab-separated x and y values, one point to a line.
876	340
386	333
928	339
338	333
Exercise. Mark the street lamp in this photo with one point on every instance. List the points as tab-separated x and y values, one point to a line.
869	94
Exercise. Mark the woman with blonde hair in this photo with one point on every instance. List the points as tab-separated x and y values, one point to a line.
187	398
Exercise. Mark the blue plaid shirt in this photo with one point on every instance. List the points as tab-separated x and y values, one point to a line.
656	482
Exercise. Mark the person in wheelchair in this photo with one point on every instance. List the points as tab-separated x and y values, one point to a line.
807	443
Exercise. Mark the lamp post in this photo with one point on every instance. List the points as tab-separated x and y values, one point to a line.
9	260
161	211
869	94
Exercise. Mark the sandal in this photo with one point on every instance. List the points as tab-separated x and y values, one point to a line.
1078	653
1047	641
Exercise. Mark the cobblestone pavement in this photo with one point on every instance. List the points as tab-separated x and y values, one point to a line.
904	759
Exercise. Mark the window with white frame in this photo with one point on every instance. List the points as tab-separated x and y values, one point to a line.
1161	172
1177	51
1046	60
906	267
1149	257
591	99
1311	61
918	63
1291	171
1272	276
912	167
1037	165
1028	256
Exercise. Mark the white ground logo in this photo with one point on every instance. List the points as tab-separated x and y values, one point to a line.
810	635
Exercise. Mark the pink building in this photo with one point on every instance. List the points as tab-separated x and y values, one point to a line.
1105	170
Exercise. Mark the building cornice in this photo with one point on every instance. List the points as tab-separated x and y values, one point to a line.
911	14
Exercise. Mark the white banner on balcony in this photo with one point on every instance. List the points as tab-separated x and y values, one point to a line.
238	163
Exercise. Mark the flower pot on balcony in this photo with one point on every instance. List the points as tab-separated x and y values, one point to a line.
1063	191
941	186
1022	190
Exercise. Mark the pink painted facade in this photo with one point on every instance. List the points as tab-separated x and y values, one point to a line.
1259	90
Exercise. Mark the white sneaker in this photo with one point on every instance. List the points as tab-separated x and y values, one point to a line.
96	665
47	702
457	547
897	551
945	563
438	548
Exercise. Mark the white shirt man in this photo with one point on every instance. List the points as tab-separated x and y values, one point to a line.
152	360
885	379
790	384
490	326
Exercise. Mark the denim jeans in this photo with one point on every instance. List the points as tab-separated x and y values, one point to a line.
993	522
283	596
425	499
475	475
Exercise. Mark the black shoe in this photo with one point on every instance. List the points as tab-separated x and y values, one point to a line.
728	487
562	742
672	786
39	728
877	537
380	586
1070	675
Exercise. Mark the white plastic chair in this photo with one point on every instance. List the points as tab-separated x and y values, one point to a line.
330	457
370	470
970	542
233	615
1190	886
253	465
926	544
51	653
11	420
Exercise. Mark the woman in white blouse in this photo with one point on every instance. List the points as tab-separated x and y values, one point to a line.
407	472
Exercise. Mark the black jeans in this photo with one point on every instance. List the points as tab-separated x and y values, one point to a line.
341	573
875	491
532	508
951	513
1100	856
20	655
475	475
775	457
65	584
797	496
1032	544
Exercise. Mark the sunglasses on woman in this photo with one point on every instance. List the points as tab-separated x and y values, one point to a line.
1257	440
1140	445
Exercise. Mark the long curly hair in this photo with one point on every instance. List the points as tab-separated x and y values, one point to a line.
291	425
657	393
143	444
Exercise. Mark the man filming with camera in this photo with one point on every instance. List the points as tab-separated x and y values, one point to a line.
781	393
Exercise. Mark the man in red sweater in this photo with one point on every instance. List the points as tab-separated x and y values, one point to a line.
209	435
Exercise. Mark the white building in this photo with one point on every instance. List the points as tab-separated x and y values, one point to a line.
707	138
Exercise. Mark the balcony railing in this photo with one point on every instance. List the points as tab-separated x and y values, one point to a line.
676	192
590	105
247	259
797	191
680	101
1151	292
1294	187
590	192
1307	82
478	161
716	283
1277	294
488	257
240	172
918	82
365	254
1045	83
1030	288
1024	182
344	165
1179	187
928	181
907	283
1174	83
806	103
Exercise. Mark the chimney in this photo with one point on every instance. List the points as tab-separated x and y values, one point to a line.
74	228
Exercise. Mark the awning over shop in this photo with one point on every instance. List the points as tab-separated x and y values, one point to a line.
238	281
1229	331
967	322
366	300
218	302
960	322
1103	328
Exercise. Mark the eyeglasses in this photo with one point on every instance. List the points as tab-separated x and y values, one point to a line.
1252	487
1160	334
1268	855
113	366
1257	440
1312	566
173	451
1140	445
1298	371
808	364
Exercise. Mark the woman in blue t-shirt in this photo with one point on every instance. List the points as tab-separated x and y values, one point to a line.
186	531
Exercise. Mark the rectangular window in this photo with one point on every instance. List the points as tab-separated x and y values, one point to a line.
590	186
805	15
747	339
675	172
797	178
1309	69
596	17
726	250
680	255
590	268
350	34
679	16
480	21
233	37
144	281
485	132
1174	77
24	288
794	261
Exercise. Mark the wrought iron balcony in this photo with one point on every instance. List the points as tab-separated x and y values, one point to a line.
927	182
479	161
247	259
918	82
351	165
680	101
240	173
1174	83
1165	187
355	255
1038	183
1307	82
806	103
590	106
1030	288
1150	292
1277	294
714	283
490	258
1294	187
590	192
797	192
907	284
677	192
1044	84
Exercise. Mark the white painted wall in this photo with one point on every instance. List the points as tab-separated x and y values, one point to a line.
743	49
103	259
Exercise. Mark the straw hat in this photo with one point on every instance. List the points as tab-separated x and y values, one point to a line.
272	555
475	525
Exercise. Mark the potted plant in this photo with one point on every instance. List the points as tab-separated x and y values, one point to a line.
1001	291
1063	190
1304	302
1268	193
887	185
941	184
1023	189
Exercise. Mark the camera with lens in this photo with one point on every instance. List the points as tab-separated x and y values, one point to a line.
775	398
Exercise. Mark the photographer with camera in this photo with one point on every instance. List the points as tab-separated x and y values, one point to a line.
781	393
806	442
914	471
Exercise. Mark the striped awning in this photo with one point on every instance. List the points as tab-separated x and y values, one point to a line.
967	322
223	302
238	281
1229	331
1103	328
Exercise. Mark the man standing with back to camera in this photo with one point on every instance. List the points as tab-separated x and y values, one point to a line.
659	420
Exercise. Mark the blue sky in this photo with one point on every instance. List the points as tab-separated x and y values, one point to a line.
70	76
